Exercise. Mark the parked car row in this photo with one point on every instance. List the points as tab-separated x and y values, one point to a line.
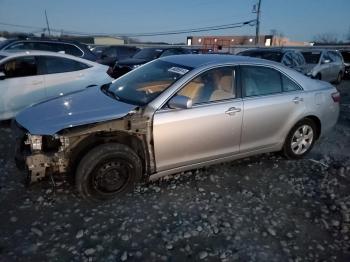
30	77
322	64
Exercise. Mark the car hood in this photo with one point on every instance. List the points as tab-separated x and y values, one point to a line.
133	61
88	106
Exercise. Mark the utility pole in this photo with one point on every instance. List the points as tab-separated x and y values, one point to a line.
47	24
257	24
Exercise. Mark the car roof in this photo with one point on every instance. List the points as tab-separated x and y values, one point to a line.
198	60
18	53
280	50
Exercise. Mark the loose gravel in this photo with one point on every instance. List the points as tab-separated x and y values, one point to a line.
263	208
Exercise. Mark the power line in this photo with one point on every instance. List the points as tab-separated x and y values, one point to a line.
173	32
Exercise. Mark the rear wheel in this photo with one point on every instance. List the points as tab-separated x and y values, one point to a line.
300	139
107	171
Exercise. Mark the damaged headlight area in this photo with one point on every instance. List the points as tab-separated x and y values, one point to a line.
44	143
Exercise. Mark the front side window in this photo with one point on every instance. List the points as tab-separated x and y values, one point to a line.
258	81
20	67
55	65
214	85
142	85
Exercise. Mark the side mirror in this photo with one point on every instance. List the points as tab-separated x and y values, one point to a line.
2	76
180	102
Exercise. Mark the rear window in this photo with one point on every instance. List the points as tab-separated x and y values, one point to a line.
312	57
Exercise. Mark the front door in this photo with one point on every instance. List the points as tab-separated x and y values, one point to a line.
211	129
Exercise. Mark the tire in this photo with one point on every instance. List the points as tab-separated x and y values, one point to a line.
302	139
108	171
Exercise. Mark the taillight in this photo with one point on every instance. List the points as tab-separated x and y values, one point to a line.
336	97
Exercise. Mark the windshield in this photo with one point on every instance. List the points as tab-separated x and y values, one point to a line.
141	86
346	56
268	55
148	53
312	57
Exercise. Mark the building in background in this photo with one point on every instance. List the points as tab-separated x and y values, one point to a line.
229	43
96	40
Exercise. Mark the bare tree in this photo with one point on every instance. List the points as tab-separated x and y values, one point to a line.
326	38
278	37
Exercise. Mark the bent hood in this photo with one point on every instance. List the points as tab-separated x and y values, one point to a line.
84	107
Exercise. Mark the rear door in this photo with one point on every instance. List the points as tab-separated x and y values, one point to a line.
22	87
272	103
63	75
210	130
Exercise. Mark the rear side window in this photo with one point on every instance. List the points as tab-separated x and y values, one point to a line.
20	67
258	81
289	85
68	49
55	65
43	46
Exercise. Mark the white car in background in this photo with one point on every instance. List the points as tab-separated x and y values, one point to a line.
29	77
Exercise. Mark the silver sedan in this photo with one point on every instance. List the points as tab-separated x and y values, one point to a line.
174	114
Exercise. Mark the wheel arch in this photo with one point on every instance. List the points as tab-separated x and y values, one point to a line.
135	142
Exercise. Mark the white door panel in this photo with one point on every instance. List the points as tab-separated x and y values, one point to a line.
19	93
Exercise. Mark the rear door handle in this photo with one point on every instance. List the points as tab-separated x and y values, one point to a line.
296	100
233	110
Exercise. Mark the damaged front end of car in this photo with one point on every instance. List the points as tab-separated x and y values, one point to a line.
40	155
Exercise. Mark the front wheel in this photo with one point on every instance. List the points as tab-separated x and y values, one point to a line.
300	139
107	171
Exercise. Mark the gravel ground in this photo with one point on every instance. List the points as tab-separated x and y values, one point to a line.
263	208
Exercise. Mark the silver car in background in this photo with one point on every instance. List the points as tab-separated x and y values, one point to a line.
174	114
322	64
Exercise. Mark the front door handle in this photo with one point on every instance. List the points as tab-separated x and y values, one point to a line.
233	110
296	100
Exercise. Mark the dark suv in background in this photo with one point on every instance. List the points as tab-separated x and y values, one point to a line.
142	57
45	44
289	57
346	57
112	54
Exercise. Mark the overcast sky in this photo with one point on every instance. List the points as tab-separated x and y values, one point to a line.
300	20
